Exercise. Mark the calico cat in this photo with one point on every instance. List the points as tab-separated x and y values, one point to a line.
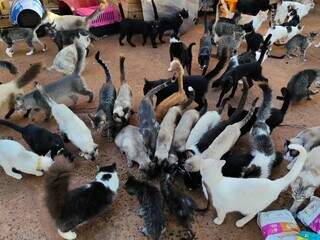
103	120
70	208
173	22
9	66
301	43
130	27
256	193
180	51
254	40
262	147
151	207
298	86
40	140
12	35
15	157
308	180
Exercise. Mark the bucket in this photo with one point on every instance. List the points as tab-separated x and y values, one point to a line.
26	13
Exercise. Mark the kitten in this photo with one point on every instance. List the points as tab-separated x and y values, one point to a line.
247	196
67	87
9	66
180	51
39	139
151	207
231	43
15	156
72	127
308	138
172	22
254	40
103	120
12	35
301	43
66	60
130	27
70	208
298	86
10	90
130	142
308	180
262	147
123	105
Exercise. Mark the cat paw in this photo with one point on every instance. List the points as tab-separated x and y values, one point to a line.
29	53
38	174
217	221
144	231
45	48
240	223
67	235
17	176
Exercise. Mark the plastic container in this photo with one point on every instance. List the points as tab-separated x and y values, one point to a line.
310	216
26	13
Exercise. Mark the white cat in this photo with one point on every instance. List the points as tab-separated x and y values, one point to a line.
72	127
247	196
14	155
208	121
307	181
257	20
282	34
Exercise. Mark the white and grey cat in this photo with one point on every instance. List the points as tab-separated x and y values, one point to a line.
307	181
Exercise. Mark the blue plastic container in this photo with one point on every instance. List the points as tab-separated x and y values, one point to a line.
19	6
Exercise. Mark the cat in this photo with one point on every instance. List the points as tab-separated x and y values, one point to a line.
308	180
254	40
65	88
308	138
293	20
301	43
71	127
180	51
148	125
9	66
172	22
298	86
40	140
65	61
198	83
256	20
276	115
262	147
247	196
123	108
282	34
10	90
69	22
151	206
15	156
11	35
103	120
231	43
70	208
129	27
130	142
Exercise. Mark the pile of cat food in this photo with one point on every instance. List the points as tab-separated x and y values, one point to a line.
179	142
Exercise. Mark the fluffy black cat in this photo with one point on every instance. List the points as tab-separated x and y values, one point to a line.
69	208
179	50
173	22
198	83
130	27
276	115
40	140
151	206
254	40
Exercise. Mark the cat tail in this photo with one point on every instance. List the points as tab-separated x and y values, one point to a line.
220	65
121	10
29	75
296	169
249	114
156	89
11	125
190	48
286	100
264	48
206	27
104	66
155	10
209	199
122	72
277	57
80	59
264	111
56	187
9	66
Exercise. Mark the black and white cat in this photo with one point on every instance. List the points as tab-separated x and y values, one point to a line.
70	208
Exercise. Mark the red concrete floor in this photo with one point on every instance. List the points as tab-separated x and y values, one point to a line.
23	215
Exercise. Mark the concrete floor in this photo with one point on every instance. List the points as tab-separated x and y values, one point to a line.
23	215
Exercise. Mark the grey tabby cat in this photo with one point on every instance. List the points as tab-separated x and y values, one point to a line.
301	43
11	35
229	42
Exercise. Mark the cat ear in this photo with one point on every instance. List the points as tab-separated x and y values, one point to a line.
48	154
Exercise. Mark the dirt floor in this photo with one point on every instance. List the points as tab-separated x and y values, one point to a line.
22	211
